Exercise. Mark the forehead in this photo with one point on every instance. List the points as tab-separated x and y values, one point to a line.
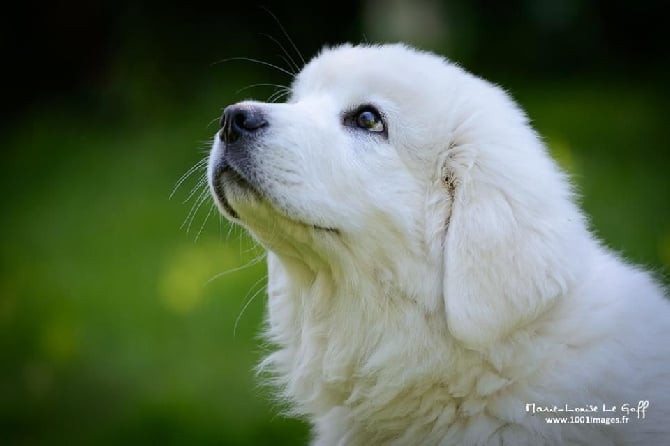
394	72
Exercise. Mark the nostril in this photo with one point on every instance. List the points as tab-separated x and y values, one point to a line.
241	120
249	120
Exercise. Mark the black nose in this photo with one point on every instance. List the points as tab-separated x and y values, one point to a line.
239	121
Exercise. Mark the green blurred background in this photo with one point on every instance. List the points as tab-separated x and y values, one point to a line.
116	325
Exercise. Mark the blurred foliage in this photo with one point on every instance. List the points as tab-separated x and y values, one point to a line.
117	326
110	330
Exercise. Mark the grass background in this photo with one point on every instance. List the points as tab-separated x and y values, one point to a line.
115	326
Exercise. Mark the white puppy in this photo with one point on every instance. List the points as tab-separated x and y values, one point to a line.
431	280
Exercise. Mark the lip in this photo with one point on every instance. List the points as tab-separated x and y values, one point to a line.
226	176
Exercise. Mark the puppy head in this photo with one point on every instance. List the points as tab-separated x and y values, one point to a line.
394	159
347	161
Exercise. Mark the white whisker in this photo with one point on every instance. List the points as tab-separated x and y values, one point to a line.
288	59
202	226
217	119
261	84
256	260
249	301
281	27
198	186
231	229
199	165
274	97
261	62
204	196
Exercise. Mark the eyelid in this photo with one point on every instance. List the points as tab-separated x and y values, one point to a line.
353	111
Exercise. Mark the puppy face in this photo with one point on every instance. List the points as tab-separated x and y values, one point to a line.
412	172
352	154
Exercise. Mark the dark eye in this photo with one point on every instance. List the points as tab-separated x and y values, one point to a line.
369	119
366	118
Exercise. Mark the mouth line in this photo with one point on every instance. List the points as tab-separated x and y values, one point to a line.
325	229
221	191
226	204
238	179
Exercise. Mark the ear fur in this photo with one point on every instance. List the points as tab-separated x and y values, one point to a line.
507	250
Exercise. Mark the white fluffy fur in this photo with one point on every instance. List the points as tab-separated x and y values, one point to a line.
458	280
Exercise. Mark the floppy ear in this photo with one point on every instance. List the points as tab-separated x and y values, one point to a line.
504	251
